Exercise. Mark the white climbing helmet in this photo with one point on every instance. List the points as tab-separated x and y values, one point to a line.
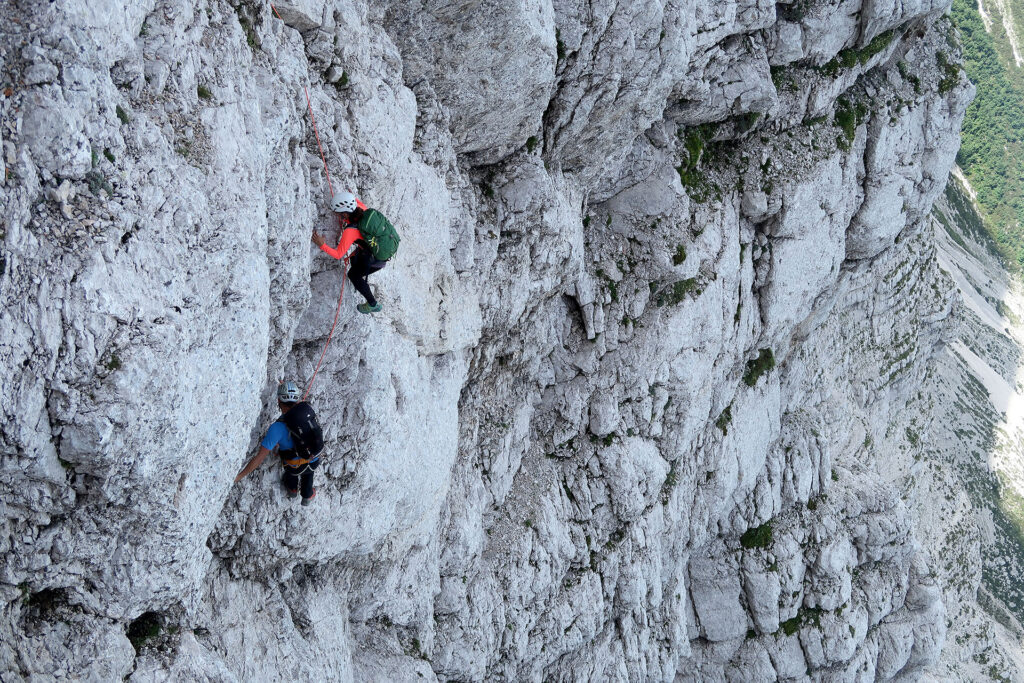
343	202
288	392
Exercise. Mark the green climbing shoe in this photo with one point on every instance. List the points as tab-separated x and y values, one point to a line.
367	308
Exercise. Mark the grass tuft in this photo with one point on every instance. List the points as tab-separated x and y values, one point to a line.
724	419
758	537
680	256
757	367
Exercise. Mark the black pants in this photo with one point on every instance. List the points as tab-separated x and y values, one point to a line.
301	473
360	267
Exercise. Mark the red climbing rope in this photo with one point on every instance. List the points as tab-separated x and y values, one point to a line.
345	269
317	134
323	353
344	273
333	325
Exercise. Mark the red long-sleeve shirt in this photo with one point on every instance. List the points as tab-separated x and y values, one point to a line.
348	238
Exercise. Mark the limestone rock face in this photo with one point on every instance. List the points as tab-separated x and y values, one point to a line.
492	64
665	276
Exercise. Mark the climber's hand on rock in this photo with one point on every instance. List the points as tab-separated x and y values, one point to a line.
317	239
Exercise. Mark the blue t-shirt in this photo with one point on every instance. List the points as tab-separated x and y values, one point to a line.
277	435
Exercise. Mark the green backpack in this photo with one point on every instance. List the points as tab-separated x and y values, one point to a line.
379	234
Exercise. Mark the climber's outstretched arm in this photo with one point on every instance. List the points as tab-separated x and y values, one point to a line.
261	455
348	238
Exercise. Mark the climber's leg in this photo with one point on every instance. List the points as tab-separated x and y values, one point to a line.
307	479
362	264
290	479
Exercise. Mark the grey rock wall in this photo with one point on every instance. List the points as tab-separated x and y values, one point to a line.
664	276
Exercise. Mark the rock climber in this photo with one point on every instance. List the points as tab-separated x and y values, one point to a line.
298	439
375	239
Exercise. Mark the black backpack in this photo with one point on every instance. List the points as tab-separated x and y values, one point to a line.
307	436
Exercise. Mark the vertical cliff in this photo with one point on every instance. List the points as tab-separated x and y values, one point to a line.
666	290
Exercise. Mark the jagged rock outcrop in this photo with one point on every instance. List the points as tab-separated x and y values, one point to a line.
665	277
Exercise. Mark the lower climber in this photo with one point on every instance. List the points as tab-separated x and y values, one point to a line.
299	441
374	237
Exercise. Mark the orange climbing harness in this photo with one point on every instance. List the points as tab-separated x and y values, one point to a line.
330	186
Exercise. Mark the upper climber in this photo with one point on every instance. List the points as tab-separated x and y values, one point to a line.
375	239
298	439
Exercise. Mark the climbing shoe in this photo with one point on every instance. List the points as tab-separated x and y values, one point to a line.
307	501
367	308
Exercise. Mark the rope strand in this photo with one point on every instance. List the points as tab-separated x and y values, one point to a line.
330	186
319	146
331	334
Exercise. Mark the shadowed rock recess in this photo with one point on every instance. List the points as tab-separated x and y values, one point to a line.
666	284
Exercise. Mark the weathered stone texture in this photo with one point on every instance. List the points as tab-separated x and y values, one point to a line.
610	424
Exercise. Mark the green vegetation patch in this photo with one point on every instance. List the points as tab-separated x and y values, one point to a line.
671	479
806	616
782	78
950	73
757	367
758	537
746	122
966	219
790	626
848	116
953	233
909	76
847	59
811	615
144	629
724	419
678	291
680	256
796	11
613	287
1011	504
693	146
697	143
97	181
1005	311
247	28
992	139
